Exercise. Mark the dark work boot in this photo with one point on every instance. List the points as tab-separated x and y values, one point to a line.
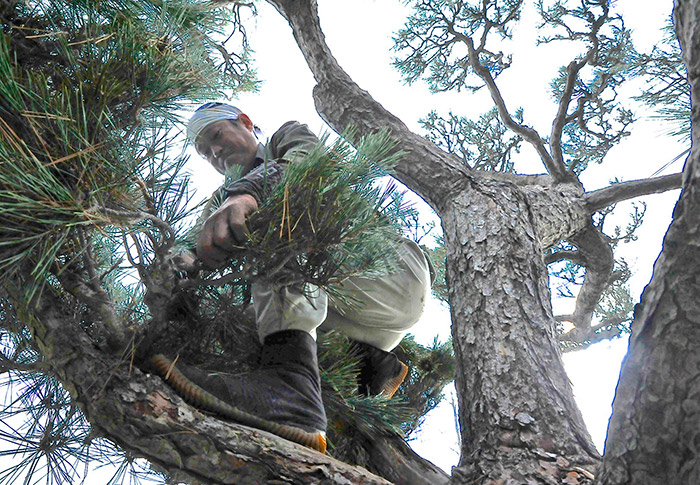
282	397
381	372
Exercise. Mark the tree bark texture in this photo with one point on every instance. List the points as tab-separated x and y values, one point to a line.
519	421
654	433
518	418
141	413
393	459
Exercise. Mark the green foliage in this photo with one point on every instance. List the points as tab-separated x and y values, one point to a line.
438	255
597	121
44	436
330	218
89	92
354	419
667	88
93	200
436	41
85	89
485	144
455	45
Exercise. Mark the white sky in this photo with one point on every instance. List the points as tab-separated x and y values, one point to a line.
359	34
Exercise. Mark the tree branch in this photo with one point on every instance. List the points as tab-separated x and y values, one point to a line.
573	256
557	170
9	364
601	198
144	415
342	104
95	297
561	119
598	257
597	333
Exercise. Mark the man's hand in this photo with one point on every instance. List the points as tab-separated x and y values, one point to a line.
186	264
225	228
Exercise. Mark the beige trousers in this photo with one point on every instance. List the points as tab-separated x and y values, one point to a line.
386	308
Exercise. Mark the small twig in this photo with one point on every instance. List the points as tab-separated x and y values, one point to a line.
286	202
45	116
89	261
171	366
139	267
77	154
39	36
97	40
133	354
284	208
224	280
150	204
104	274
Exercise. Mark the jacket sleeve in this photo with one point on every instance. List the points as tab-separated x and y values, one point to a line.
290	143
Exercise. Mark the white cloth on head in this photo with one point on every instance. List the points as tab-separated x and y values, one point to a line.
204	117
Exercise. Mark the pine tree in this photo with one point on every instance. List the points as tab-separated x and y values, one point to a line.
90	92
95	208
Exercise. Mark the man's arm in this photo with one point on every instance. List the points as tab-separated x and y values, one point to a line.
226	227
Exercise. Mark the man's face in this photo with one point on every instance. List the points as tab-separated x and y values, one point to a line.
227	143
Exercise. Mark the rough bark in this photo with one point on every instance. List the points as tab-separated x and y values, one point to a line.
654	432
145	416
519	421
394	460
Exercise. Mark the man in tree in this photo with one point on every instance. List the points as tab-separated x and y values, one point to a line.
286	392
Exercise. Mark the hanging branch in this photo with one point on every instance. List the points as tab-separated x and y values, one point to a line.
595	252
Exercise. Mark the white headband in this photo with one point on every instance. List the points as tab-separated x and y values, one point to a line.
207	114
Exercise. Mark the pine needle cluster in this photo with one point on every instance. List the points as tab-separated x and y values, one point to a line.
86	89
331	217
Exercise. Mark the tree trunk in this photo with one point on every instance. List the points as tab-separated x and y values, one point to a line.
654	432
519	421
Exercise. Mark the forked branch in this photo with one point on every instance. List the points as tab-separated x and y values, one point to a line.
342	103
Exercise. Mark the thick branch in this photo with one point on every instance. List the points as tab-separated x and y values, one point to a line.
601	198
394	459
142	414
598	333
557	170
561	118
599	262
9	364
341	103
573	256
97	298
572	72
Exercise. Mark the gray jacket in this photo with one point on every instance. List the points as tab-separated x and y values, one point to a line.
291	142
